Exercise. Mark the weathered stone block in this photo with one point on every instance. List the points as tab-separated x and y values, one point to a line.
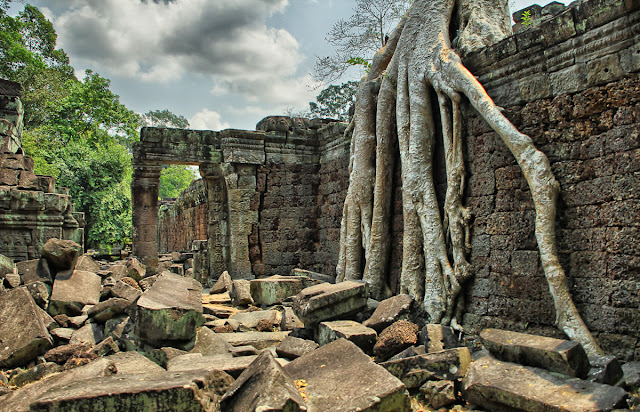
275	289
108	309
259	340
362	336
395	339
35	270
389	311
289	320
61	254
330	301
209	343
252	319
72	290
292	347
241	293
438	337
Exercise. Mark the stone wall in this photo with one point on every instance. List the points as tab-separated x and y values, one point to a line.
183	221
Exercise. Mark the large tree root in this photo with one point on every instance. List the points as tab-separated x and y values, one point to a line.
395	104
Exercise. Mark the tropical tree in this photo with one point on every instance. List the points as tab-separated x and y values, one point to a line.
164	118
335	101
395	111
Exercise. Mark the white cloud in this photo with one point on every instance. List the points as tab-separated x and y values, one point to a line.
207	119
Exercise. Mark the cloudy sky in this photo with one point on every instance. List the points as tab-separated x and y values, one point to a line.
220	63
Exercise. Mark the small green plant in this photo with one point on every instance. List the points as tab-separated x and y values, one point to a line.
359	61
526	18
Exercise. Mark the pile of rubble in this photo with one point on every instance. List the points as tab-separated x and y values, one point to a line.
77	334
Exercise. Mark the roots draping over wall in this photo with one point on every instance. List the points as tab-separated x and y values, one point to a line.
419	73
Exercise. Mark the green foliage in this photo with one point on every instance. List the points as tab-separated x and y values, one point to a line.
174	179
359	61
526	18
335	101
164	118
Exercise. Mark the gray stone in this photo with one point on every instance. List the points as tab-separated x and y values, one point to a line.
35	270
362	336
253	318
61	254
275	289
6	266
108	346
184	391
237	351
632	374
171	310
605	369
449	364
132	363
210	343
292	348
436	337
556	355
289	320
39	292
23	334
438	394
72	290
410	352
90	334
78	321
388	311
313	275
195	361
263	386
86	263
125	291
223	284
108	309
135	269
12	280
340	377
330	301
499	385
219	311
163	355
241	293
34	373
259	340
122	329
62	333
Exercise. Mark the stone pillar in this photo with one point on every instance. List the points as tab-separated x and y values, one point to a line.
217	228
144	198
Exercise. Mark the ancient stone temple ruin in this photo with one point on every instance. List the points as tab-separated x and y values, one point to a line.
32	210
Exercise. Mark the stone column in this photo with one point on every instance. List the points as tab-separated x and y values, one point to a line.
144	198
217	228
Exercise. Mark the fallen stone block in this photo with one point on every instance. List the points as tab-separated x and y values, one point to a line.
34	373
171	310
275	289
220	311
605	369
107	347
438	394
222	285
362	336
61	354
450	364
12	280
237	351
23	334
40	293
389	311
499	385
124	290
241	293
61	254
62	333
340	377
263	386
131	363
259	340
90	334
108	309
395	339
6	266
289	320
313	275
292	348
631	372
147	282
252	319
122	329
196	361
135	269
88	264
210	343
184	391
436	337
72	290
330	301
410	352
556	355
216	299
163	355
36	270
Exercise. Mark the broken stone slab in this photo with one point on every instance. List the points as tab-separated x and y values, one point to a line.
362	336
171	310
326	301
47	320
237	351
135	269
436	337
241	293
605	369
216	299
275	289
259	340
253	318
35	270
184	391
12	280
124	290
72	290
219	311
163	355
107	347
90	334
23	334
450	364
263	386
131	363
499	385
40	293
556	355
78	321
292	348
210	343
62	333
411	351
19	400
34	373
340	377
289	320
61	254
312	275
122	329
61	354
388	311
196	361
631	372
108	309
6	266
88	264
147	282
395	338
438	394
222	285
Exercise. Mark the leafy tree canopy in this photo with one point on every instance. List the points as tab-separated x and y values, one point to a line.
164	118
174	179
335	101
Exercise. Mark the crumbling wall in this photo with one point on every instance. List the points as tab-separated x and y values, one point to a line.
184	221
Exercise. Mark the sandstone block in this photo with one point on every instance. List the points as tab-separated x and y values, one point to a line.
22	332
340	377
61	254
289	320
163	355
135	269
313	275
264	385
275	289
87	263
35	270
330	301
40	293
132	363
389	311
90	334
241	293
108	309
496	385
125	291
196	361
171	310
209	343
259	340
438	394
395	339
72	290
556	355
34	373
252	319
223	284
362	336
605	369
450	364
292	348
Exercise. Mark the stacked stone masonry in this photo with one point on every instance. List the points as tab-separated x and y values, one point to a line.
571	83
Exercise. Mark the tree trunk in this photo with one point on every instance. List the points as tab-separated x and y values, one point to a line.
395	105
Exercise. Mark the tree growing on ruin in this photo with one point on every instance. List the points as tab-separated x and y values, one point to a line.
417	77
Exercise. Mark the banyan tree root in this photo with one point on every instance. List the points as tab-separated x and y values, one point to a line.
395	107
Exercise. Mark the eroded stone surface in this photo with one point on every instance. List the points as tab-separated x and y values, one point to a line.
61	254
275	289
389	311
355	332
330	301
72	290
292	347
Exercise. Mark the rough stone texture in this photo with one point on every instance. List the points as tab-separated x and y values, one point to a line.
72	290
497	385
389	311
555	355
449	364
605	369
196	361
259	340
209	343
264	385
34	373
61	254
22	331
275	289
241	293
438	394
223	284
108	309
90	334
171	310
86	263
340	377
34	270
131	363
330	301
395	339
253	318
289	320
632	374
438	337
362	336
187	391
191	207
292	348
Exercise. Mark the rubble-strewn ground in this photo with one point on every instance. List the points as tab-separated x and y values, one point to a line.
78	333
